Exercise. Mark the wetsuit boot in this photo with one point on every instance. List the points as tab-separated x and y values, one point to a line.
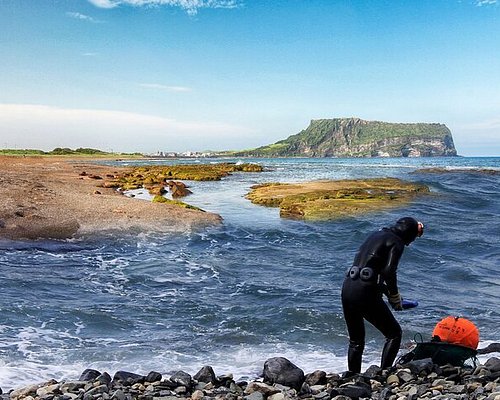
354	356
390	352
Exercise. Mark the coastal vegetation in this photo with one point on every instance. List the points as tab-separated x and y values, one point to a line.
64	151
354	137
325	200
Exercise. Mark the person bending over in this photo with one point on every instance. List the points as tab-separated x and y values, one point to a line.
374	273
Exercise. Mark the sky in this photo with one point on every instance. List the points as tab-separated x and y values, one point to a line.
178	75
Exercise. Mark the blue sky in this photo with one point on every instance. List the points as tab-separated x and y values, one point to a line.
148	75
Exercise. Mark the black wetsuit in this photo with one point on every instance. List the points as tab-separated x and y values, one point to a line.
363	288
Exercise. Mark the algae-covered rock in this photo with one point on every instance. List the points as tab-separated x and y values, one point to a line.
323	200
158	174
161	199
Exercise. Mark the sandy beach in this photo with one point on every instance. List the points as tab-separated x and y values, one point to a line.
52	197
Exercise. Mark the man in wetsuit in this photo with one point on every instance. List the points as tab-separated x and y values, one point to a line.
374	273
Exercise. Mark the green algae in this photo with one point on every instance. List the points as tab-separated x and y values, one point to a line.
161	199
325	200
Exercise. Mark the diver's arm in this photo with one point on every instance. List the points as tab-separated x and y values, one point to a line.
389	271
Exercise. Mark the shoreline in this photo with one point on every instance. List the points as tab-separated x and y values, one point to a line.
60	198
280	380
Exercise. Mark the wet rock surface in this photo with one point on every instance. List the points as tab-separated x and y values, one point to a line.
325	200
412	381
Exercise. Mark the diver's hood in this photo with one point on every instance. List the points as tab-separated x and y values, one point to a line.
406	228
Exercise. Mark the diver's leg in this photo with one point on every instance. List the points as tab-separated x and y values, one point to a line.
356	329
381	318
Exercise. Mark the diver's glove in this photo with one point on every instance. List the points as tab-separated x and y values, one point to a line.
395	301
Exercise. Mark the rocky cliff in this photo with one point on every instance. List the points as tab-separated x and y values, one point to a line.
354	137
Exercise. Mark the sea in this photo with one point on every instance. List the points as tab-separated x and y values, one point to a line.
255	287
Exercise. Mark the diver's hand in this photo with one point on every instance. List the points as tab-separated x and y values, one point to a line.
395	301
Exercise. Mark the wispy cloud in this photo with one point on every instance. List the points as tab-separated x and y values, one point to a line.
480	3
82	17
165	87
89	54
191	6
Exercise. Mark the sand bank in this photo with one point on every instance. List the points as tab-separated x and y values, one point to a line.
48	197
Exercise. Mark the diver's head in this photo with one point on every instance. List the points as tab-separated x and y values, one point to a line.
408	229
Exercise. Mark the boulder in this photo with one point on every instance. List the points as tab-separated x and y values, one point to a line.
283	371
206	374
128	378
424	365
104	379
373	371
493	364
316	378
153	377
89	375
178	189
182	378
356	391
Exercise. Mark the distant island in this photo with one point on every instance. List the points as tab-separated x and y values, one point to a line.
354	137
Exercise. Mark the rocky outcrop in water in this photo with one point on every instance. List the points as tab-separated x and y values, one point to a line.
354	137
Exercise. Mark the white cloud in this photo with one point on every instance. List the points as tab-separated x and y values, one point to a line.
165	87
46	127
191	6
89	54
480	3
104	3
82	17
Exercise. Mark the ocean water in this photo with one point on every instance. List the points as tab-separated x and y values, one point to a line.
255	287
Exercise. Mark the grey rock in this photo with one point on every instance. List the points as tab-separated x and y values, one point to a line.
153	376
255	396
118	395
424	365
49	389
321	396
493	364
405	376
316	378
182	378
104	379
277	396
89	375
356	391
281	370
72	386
264	388
128	378
206	374
373	371
491	348
385	394
97	390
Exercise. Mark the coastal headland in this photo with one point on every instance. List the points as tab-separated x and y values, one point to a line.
61	197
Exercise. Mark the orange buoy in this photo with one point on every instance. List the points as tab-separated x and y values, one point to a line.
457	330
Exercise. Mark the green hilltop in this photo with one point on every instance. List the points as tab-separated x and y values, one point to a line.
354	137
